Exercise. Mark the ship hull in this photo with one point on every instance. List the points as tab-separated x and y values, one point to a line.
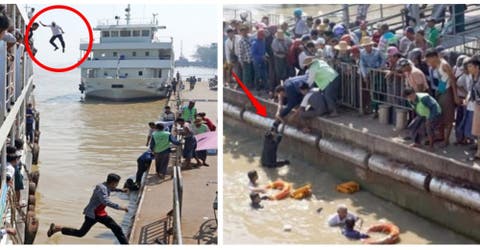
125	89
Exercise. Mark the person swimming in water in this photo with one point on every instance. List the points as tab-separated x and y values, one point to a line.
253	184
350	232
339	218
255	201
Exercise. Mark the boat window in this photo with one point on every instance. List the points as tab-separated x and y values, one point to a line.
159	73
136	33
115	54
145	32
164	54
114	33
105	33
140	73
147	53
117	86
125	33
134	53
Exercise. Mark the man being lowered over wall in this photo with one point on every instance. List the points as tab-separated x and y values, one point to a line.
270	147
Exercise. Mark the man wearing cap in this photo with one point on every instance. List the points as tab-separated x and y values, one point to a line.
432	33
232	52
321	74
259	64
280	47
362	31
428	115
246	57
370	58
406	42
413	76
301	27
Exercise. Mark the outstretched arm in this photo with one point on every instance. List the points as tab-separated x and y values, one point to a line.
42	24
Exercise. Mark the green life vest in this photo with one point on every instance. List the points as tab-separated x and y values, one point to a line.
420	108
189	114
162	141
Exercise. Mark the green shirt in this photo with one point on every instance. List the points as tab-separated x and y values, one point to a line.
432	36
162	141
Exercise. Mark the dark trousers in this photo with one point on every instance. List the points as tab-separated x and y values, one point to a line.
30	133
202	155
247	74
142	167
161	162
60	37
89	222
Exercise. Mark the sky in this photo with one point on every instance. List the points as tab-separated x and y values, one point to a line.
200	30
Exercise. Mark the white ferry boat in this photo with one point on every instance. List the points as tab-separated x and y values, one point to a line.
130	61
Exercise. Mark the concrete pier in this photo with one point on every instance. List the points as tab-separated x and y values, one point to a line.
430	184
199	187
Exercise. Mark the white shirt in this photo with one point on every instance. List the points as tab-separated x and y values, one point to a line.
10	170
305	99
2	232
56	30
335	220
301	58
168	117
232	45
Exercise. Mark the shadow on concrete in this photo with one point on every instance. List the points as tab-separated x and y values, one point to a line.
207	233
156	232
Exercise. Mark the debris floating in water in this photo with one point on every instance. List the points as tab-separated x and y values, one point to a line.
287	228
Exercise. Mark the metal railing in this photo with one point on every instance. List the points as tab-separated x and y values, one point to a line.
386	89
177	206
350	82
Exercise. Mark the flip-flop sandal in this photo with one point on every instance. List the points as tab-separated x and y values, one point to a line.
50	230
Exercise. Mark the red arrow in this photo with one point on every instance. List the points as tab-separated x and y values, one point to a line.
261	110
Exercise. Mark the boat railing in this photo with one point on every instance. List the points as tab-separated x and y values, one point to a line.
16	75
136	21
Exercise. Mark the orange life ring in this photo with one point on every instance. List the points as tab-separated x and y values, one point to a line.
302	192
391	230
284	188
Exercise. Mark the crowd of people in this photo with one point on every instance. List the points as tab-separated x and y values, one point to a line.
187	123
298	66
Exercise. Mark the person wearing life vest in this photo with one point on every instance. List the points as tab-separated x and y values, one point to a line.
199	128
428	115
160	146
190	112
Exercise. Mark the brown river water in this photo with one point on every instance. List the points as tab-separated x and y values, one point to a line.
242	224
80	144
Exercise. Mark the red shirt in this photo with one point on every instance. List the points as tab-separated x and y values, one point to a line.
100	211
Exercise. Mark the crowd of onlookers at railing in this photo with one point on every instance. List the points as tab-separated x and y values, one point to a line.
303	65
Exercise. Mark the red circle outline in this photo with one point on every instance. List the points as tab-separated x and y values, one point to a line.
90	41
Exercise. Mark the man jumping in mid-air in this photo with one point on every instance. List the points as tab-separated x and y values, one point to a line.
57	32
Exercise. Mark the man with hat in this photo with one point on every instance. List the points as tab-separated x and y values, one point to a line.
323	76
406	42
245	56
232	52
280	47
301	27
343	52
432	33
259	65
370	58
